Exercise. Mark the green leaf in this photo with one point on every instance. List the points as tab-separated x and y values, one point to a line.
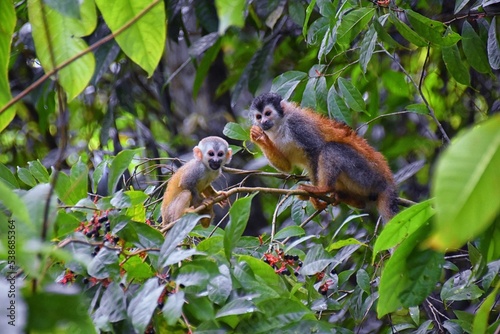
352	24
192	275
403	225
25	176
309	95
309	11
143	305
231	13
460	287
433	31
7	177
316	260
455	65
64	189
238	219
144	41
98	173
351	95
401	285
58	38
405	31
69	7
459	4
172	310
275	313
424	270
79	177
7	25
16	206
118	166
237	307
104	265
493	45
383	34
47	311
418	108
112	305
463	187
480	324
176	235
474	49
367	47
337	108
36	204
235	131
289	231
343	243
65	224
139	234
38	171
286	83
363	280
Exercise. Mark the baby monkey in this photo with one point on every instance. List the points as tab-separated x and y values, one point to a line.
191	185
337	160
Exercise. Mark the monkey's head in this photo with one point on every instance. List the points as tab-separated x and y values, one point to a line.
214	152
266	111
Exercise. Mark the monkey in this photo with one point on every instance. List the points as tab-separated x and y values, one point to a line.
338	161
190	186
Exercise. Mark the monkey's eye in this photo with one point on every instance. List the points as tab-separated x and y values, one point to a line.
220	154
267	113
211	153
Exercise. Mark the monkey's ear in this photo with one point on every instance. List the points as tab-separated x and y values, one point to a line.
229	155
198	154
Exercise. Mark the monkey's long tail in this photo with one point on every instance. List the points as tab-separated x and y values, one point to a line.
387	204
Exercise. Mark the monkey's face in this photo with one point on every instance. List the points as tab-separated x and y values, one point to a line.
214	152
215	158
266	118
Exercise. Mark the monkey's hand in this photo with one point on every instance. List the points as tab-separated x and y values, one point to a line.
257	135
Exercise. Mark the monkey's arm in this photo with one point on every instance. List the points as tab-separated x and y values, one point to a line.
275	156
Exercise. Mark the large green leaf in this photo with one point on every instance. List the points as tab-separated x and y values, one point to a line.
7	25
433	31
238	219
144	40
405	31
118	166
57	39
337	108
8	177
454	64
351	95
143	304
50	312
286	83
466	186
474	49
403	225
410	274
352	24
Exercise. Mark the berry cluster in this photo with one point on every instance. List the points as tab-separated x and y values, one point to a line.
67	277
282	263
92	228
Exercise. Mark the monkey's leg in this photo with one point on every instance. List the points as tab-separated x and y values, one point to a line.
176	208
315	190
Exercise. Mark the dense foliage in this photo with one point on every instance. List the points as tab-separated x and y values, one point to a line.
99	99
